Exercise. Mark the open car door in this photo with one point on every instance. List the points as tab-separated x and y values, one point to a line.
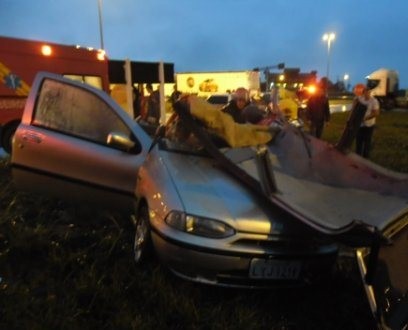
75	142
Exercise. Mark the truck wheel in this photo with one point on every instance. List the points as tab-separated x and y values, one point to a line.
7	134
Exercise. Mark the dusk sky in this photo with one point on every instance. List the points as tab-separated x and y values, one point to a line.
218	35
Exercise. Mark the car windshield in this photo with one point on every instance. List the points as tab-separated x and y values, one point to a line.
196	125
179	137
372	83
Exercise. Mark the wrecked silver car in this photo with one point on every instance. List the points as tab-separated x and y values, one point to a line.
218	202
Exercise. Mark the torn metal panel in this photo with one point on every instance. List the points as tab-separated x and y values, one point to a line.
329	189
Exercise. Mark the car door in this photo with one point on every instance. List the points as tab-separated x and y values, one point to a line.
75	142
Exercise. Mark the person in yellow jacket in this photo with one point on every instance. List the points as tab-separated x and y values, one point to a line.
287	103
223	125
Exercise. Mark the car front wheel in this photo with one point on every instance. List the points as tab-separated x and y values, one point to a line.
142	246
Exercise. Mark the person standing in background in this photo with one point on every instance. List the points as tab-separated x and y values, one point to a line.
366	129
318	111
136	102
153	106
175	95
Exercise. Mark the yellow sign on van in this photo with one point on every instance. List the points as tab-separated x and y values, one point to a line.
13	81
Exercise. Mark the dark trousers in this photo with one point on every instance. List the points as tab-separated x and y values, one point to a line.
363	141
316	128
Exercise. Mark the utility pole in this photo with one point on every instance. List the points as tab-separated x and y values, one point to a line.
100	23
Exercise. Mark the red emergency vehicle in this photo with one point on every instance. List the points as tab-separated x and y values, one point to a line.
21	59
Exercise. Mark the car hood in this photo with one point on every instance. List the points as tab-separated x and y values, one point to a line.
206	190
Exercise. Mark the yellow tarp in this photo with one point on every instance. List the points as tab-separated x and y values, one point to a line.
222	124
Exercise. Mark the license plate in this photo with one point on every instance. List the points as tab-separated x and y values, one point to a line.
274	269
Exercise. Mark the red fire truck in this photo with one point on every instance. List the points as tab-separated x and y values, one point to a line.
21	59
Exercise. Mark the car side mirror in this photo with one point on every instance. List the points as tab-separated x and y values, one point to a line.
120	141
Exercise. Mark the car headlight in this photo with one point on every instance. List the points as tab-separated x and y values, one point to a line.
198	225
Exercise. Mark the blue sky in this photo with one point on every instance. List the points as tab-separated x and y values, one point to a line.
215	35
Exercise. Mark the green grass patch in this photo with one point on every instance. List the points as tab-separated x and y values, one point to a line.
390	139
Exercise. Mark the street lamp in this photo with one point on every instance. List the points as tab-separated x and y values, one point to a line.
345	79
100	23
328	37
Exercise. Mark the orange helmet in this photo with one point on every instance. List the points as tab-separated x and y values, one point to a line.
359	89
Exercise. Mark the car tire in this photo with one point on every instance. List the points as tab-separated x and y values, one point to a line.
142	246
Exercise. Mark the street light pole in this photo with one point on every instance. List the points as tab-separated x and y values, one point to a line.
328	37
100	23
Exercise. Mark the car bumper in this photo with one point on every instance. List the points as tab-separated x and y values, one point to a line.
232	269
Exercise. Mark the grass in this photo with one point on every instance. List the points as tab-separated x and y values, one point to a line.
390	139
64	267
